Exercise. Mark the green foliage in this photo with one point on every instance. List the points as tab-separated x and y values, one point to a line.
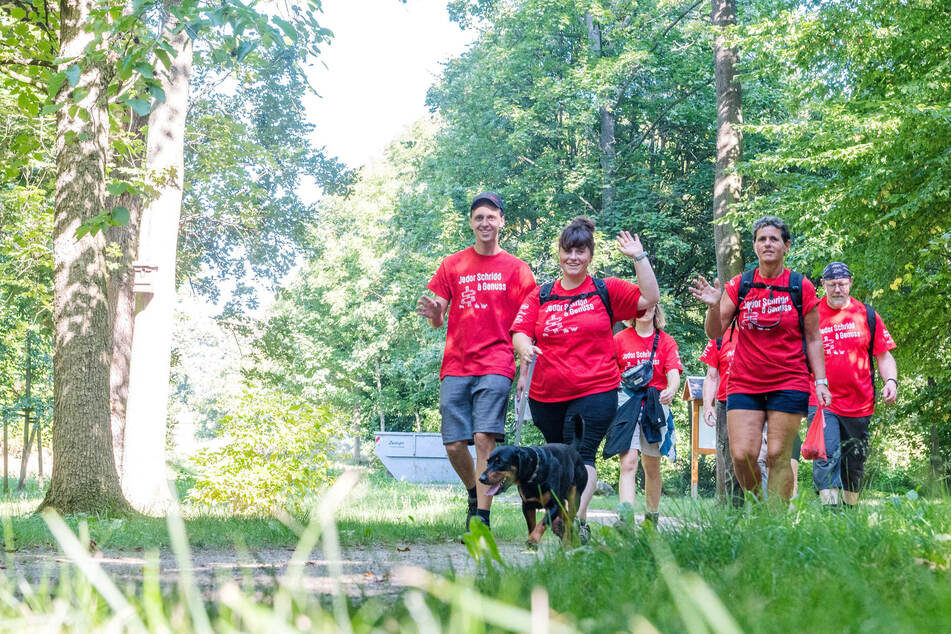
274	456
248	159
861	168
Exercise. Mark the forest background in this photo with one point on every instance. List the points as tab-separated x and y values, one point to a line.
566	107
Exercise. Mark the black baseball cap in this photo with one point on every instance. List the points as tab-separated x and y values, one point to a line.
489	197
836	271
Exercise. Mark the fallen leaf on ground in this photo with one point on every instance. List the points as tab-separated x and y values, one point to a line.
402	550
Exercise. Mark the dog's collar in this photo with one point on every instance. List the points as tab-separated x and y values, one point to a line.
538	460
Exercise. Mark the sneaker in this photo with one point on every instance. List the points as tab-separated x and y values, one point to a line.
584	532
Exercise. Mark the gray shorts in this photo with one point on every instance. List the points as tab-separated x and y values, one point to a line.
473	404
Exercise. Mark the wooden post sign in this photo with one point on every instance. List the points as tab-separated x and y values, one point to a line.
703	438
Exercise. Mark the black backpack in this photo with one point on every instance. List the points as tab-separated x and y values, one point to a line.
795	293
600	289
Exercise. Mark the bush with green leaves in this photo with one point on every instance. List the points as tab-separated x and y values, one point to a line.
275	455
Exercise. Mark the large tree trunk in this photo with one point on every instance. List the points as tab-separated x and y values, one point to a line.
727	184
726	190
606	140
84	475
146	486
122	299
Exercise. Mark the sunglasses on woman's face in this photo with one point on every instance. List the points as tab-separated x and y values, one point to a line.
763	322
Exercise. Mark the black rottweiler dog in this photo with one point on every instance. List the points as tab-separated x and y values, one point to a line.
549	477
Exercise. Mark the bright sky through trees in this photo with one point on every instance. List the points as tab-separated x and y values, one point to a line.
379	65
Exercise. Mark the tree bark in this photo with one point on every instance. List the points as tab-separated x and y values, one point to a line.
726	191
606	139
146	486
121	297
379	397
727	183
28	390
84	477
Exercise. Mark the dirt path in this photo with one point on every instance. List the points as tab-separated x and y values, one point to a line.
366	571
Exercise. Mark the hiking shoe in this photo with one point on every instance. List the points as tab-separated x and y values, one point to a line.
584	532
653	518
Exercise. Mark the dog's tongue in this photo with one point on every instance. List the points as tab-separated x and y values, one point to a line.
492	490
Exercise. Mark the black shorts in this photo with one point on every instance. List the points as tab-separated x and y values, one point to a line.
597	411
789	401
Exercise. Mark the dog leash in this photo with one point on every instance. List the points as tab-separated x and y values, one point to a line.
523	405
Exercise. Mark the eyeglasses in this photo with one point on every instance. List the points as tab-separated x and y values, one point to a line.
837	283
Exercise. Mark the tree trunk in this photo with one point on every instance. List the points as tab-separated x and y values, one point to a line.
726	191
379	398
606	140
122	299
84	477
146	486
6	457
727	183
28	391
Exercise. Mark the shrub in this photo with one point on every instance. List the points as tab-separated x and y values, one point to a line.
275	455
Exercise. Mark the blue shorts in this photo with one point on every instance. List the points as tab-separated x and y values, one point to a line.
789	401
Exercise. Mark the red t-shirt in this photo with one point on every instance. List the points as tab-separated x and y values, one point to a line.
720	359
845	339
577	342
769	354
631	349
484	293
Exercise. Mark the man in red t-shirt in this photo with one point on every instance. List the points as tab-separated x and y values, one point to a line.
481	289
718	355
844	324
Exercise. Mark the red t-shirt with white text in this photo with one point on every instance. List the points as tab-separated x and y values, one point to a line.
576	339
631	349
845	339
484	293
769	354
720	359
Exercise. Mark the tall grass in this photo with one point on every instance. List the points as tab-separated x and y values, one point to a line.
881	567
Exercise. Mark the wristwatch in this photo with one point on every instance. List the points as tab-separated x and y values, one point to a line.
640	256
824	382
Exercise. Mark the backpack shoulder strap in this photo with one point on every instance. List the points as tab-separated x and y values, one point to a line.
795	293
602	290
871	320
746	283
654	346
544	294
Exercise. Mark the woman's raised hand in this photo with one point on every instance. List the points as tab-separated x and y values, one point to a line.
629	245
705	292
